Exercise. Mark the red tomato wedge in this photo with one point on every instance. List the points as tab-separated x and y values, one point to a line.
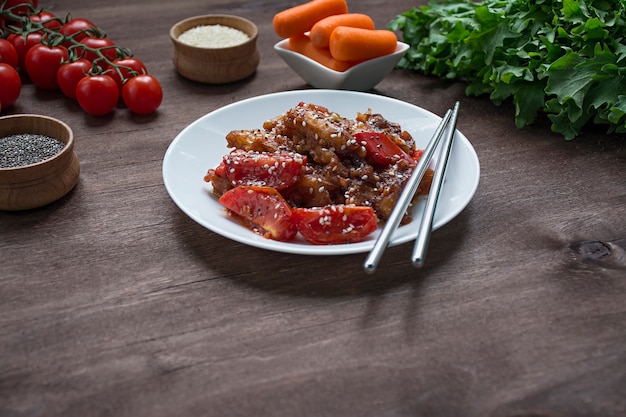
335	224
277	170
381	150
263	209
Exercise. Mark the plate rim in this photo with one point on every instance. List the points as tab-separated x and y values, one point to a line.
252	239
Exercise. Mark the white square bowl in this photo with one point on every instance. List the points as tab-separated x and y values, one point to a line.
360	77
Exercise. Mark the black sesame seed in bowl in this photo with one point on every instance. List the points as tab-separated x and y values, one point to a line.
27	148
38	164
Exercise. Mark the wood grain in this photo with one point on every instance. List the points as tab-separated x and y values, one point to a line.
115	303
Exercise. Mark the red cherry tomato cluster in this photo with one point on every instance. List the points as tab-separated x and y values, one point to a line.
74	56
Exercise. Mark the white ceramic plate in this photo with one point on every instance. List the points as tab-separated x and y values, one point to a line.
202	144
360	77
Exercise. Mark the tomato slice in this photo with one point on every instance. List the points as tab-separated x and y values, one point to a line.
335	224
381	150
263	209
277	170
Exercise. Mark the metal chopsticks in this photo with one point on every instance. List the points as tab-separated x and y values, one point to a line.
423	234
447	124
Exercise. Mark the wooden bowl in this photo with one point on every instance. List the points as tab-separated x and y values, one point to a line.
216	65
35	185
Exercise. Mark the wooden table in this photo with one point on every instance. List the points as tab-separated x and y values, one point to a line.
114	302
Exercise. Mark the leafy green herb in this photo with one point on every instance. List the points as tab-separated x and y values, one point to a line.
566	58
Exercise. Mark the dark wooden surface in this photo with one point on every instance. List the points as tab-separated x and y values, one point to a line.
114	303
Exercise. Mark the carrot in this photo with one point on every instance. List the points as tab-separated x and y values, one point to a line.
302	45
300	19
356	44
320	32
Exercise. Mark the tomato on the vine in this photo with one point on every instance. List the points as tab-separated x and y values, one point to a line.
46	19
11	85
8	54
21	10
142	94
128	67
70	74
43	62
78	28
97	94
23	46
106	46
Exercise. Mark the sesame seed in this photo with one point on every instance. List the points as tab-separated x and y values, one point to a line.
25	149
213	36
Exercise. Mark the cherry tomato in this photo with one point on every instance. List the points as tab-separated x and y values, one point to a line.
97	94
382	150
11	85
78	28
70	74
335	224
105	45
43	62
21	10
142	94
22	47
263	210
128	67
47	20
8	54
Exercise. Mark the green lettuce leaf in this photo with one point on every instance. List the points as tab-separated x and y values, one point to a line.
566	58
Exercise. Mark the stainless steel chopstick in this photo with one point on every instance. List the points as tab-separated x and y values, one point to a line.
423	234
371	262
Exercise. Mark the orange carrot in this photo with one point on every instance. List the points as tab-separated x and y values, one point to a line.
356	44
302	45
300	19
320	32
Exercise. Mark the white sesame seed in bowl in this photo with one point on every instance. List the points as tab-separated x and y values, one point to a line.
218	49
213	36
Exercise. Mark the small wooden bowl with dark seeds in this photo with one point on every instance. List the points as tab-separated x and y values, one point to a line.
38	164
